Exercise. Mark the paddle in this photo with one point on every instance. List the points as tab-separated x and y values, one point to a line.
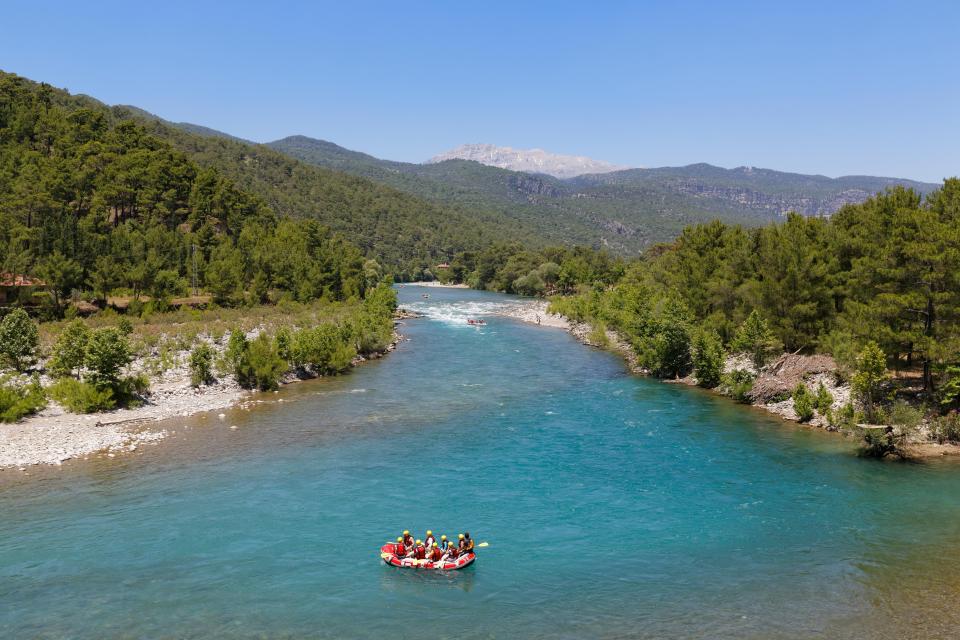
484	544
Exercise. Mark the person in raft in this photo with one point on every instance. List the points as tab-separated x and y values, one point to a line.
419	551
452	553
444	543
435	553
400	549
429	539
407	540
466	542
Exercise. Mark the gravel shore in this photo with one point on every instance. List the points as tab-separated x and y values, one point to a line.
54	435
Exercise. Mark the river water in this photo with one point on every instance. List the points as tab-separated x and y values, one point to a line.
614	506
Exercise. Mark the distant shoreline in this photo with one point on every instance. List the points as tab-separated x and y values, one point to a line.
433	283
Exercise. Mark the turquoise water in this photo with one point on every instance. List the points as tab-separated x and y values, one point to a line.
614	507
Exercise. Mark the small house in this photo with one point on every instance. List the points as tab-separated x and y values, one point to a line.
15	288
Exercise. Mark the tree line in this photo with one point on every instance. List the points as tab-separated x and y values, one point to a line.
885	272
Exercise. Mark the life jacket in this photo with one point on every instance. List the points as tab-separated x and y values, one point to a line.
445	545
454	552
400	550
468	546
408	541
420	553
429	541
436	554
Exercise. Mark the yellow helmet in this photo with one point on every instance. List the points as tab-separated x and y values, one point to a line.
405	532
419	542
399	539
434	544
443	537
460	536
429	533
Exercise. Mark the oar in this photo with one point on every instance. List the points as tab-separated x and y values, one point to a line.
484	544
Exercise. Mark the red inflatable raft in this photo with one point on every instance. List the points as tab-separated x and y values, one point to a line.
388	555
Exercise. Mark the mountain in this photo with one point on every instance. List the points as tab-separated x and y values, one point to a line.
624	211
526	160
402	231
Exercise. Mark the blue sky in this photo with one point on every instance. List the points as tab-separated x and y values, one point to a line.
815	87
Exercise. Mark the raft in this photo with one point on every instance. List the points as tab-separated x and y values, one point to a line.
389	557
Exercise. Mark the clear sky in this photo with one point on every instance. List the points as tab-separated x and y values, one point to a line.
815	87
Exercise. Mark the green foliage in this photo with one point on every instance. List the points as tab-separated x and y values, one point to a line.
259	365
19	338
946	428
707	359
82	397
950	389
326	348
201	365
738	384
70	351
823	401
20	400
236	347
904	416
755	338
869	379
108	352
803	403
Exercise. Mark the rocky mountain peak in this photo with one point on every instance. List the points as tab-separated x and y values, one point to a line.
529	160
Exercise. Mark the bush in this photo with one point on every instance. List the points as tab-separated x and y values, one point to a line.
707	359
738	384
947	428
598	334
19	338
70	351
869	379
260	366
803	403
905	416
823	400
755	338
17	401
201	362
82	397
326	348
108	352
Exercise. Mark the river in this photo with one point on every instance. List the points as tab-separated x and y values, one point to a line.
614	506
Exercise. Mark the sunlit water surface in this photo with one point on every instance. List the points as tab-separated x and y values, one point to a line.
614	507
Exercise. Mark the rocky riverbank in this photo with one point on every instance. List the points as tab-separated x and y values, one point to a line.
54	435
773	386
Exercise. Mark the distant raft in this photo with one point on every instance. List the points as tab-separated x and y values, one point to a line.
389	557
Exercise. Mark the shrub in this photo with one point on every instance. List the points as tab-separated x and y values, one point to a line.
823	400
260	366
598	334
82	397
707	359
905	416
803	403
284	340
870	376
17	401
108	352
949	391
755	338
201	362
326	348
19	338
737	384
947	428
70	351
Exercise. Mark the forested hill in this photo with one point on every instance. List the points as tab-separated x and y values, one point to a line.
108	200
401	231
623	210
